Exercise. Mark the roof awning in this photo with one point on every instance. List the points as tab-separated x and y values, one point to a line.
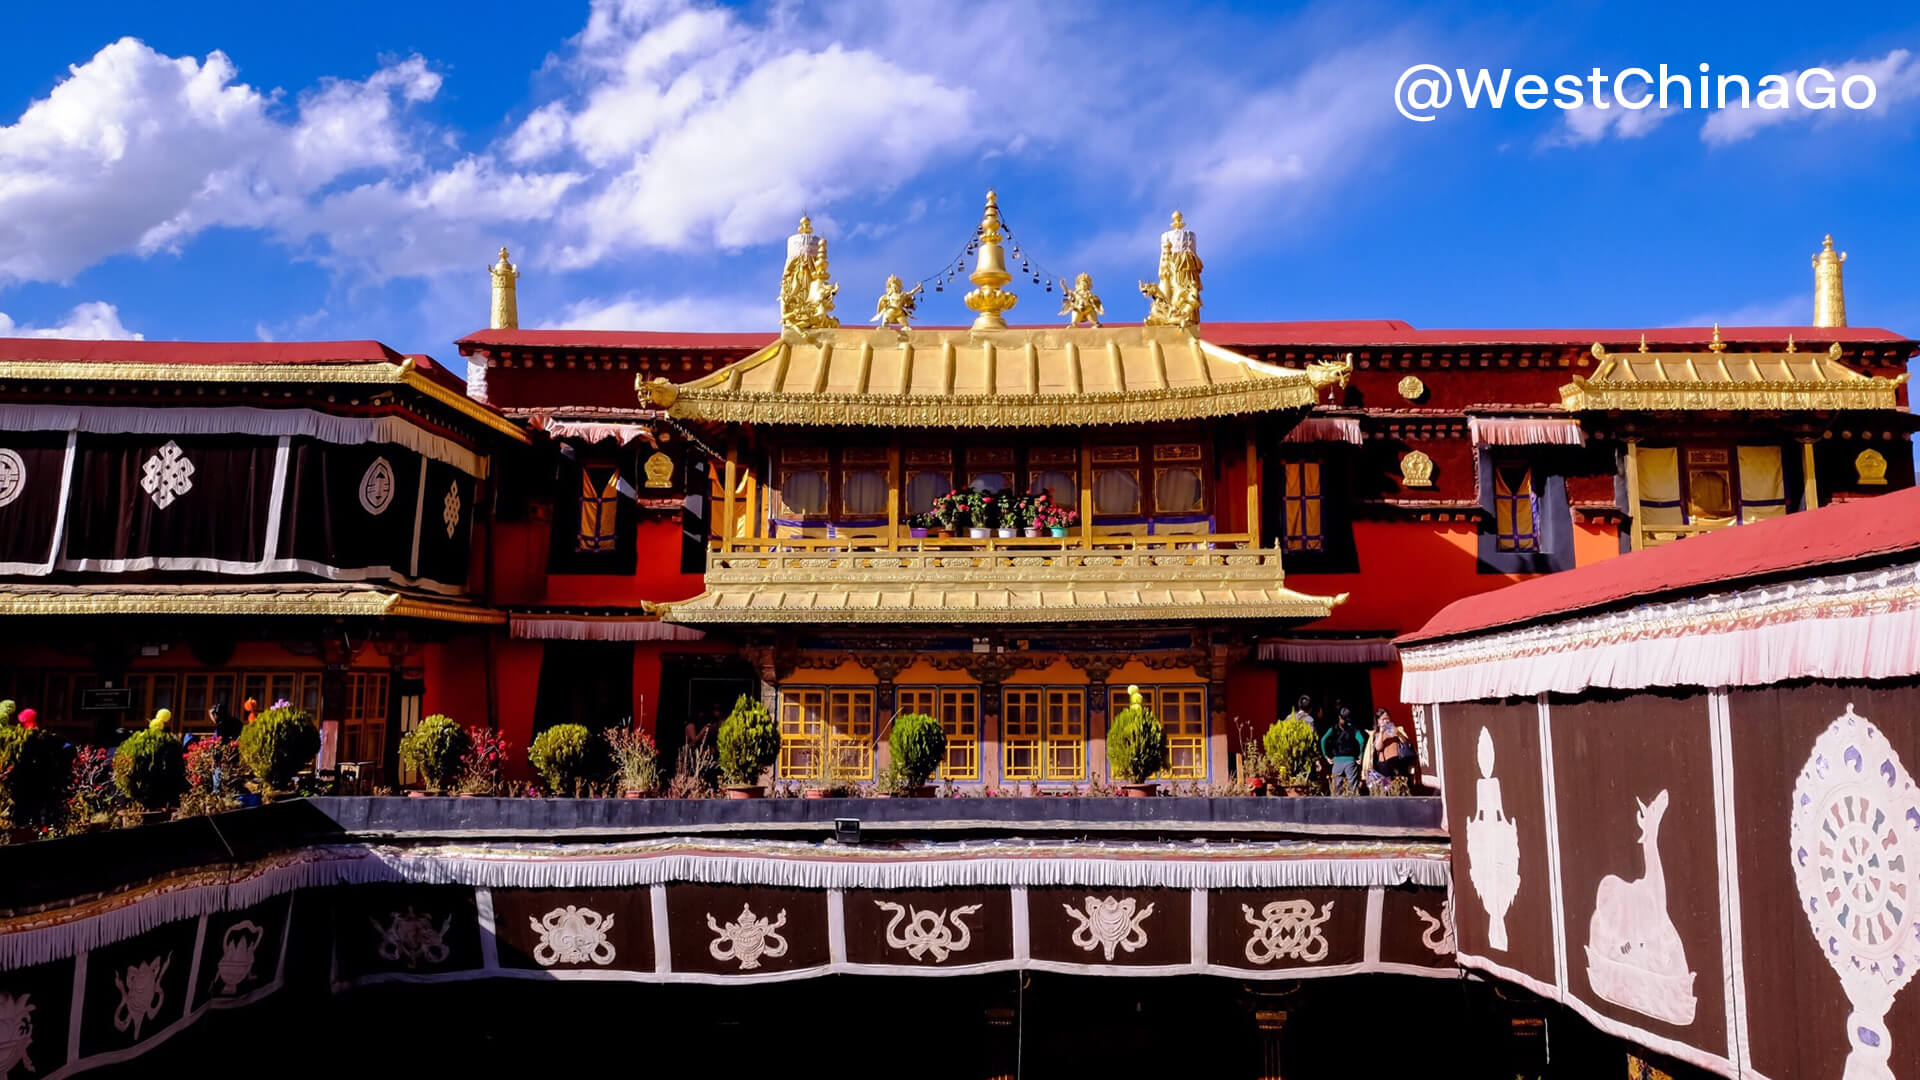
1023	377
1325	429
298	599
1328	651
1524	431
545	626
1721	381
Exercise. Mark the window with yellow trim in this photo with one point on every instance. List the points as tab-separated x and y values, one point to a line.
363	731
818	723
1020	733
1303	530
1066	734
599	509
958	710
1043	733
801	716
1182	710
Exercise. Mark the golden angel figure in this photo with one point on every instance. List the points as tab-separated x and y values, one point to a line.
1079	304
896	307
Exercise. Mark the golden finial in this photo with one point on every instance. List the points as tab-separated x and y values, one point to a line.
506	305
1829	298
989	300
1643	343
806	225
1079	304
896	307
1716	344
1790	347
1174	300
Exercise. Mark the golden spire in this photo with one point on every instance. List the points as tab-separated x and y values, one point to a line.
506	305
990	272
1716	345
1829	300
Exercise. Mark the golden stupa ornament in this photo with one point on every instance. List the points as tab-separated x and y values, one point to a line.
506	304
1175	299
806	291
896	305
1716	345
1829	299
1416	470
988	299
1079	304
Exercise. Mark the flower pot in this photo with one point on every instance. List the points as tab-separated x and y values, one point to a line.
1007	534
745	791
816	793
1140	791
1036	531
943	534
1257	785
416	793
467	795
1057	530
1299	790
917	534
979	534
635	793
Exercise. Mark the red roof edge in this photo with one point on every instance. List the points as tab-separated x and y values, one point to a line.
116	351
1797	544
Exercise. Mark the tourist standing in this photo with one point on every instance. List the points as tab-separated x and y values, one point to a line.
1342	746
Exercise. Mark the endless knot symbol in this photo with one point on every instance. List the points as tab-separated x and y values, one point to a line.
1287	928
13	476
376	487
450	508
926	932
168	474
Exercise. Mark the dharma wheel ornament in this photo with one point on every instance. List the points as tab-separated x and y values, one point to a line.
1412	388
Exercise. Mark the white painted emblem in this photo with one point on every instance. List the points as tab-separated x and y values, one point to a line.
16	1033
376	487
1110	924
1287	929
412	939
1635	958
450	508
1493	849
572	935
1438	937
141	994
928	931
237	947
748	939
1854	837
13	481
167	475
1421	736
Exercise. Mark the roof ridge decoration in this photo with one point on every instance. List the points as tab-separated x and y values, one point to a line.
1174	300
1719	380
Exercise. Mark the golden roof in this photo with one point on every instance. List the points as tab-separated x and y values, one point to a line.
325	598
1022	377
994	587
1718	380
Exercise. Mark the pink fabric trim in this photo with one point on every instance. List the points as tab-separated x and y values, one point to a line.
1527	431
599	628
1325	429
1309	651
592	431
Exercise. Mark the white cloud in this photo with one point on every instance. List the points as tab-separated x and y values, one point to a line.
1588	124
691	313
93	320
1896	77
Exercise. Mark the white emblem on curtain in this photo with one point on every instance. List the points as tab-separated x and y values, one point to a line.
13	481
1109	924
16	1033
1438	937
1635	957
1287	929
572	935
1854	838
450	508
1493	849
141	994
748	939
237	947
167	475
412	939
376	487
928	931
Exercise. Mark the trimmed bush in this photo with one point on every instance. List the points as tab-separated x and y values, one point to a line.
36	775
1136	743
7	711
919	746
568	757
1292	749
278	744
150	769
749	742
437	748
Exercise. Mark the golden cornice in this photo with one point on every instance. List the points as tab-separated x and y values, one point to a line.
1719	381
988	410
47	601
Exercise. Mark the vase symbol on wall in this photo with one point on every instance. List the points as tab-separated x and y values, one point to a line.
1854	838
1493	849
237	947
1635	958
749	939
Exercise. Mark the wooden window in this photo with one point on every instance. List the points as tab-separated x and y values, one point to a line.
1711	494
1043	733
1183	712
1304	526
802	713
850	732
817	722
1516	510
599	509
1055	471
1066	734
989	468
1021	729
929	475
1179	479
1116	481
363	726
958	710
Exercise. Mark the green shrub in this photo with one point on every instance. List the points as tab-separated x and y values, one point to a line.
278	744
36	775
150	768
1136	743
437	747
568	757
749	742
919	746
1291	747
7	710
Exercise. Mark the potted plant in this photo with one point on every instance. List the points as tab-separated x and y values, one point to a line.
150	769
636	762
36	777
213	777
1000	510
1292	752
1058	519
1029	509
568	758
918	745
278	744
1136	746
437	749
919	525
95	799
749	745
961	509
482	769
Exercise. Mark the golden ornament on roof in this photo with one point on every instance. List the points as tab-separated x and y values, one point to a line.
506	307
896	306
659	470
989	300
1870	468
1412	388
1717	345
1079	304
806	294
1416	470
1829	298
1174	300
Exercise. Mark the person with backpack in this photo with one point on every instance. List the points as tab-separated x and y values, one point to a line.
1391	751
1342	746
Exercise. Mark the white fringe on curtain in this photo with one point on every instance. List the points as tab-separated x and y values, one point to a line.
571	628
1524	431
1311	651
1325	429
240	419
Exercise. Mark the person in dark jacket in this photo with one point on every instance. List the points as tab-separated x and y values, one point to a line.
1342	746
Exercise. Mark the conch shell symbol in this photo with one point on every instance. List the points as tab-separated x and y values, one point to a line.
141	994
749	939
1109	924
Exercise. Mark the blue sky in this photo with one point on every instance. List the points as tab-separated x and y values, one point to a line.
231	171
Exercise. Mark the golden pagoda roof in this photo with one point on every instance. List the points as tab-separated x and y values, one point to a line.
1011	587
1717	380
1020	377
282	598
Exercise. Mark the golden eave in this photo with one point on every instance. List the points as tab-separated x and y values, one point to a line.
1717	381
25	599
376	373
1024	377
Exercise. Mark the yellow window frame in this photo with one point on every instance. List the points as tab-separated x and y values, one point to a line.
958	710
1182	710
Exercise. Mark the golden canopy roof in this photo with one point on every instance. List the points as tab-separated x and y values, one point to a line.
1718	380
1018	377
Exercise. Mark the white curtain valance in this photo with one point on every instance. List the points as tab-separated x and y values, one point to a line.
1525	431
1312	651
599	628
1325	429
